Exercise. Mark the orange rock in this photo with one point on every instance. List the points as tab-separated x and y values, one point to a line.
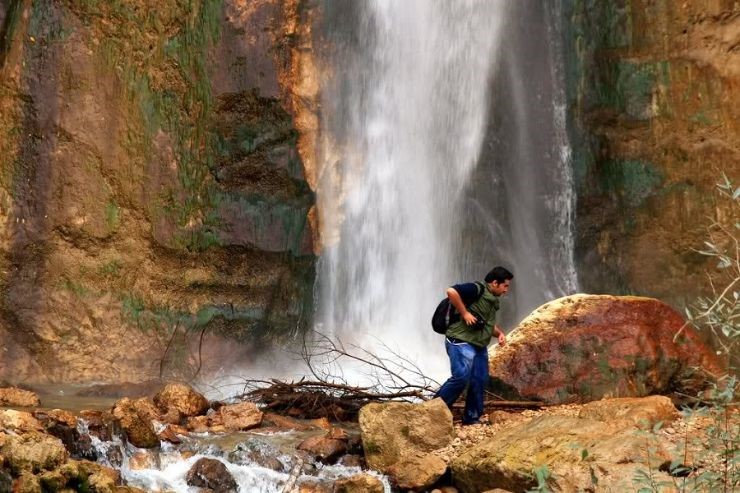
242	416
584	347
199	424
182	398
325	449
19	421
12	396
286	422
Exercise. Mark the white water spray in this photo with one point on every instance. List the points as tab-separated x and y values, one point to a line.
404	210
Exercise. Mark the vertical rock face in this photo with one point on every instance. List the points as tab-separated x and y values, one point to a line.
655	121
152	185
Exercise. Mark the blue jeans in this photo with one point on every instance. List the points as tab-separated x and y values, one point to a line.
469	366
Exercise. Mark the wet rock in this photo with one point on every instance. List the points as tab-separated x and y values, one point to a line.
81	476
55	415
6	480
286	422
144	459
136	423
392	431
614	455
418	471
211	474
19	421
13	396
181	398
359	483
199	424
170	434
644	412
27	483
241	416
352	460
325	449
263	455
100	424
33	452
584	347
84	449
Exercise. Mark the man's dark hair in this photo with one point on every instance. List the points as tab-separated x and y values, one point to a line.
499	274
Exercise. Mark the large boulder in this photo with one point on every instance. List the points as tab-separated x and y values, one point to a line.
181	398
12	396
397	436
581	455
211	474
33	452
324	448
584	347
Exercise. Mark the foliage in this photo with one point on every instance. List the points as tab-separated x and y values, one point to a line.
714	464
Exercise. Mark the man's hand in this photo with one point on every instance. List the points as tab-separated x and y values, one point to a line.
501	339
469	318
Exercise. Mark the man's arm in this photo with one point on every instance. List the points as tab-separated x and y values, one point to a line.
457	302
500	334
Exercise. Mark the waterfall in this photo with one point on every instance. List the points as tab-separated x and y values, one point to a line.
425	180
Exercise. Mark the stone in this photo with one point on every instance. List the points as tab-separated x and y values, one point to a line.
326	449
199	424
56	415
393	430
19	421
359	483
27	483
575	450
418	471
143	459
286	422
170	434
136	423
100	424
644	412
33	452
182	398
584	347
241	416
211	474
13	396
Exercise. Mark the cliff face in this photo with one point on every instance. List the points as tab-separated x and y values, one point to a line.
655	122
152	185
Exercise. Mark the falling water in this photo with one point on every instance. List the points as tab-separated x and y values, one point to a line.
438	164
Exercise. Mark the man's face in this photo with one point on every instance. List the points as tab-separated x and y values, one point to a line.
499	288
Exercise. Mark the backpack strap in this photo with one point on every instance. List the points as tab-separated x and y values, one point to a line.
481	287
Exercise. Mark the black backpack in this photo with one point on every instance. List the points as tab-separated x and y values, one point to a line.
446	314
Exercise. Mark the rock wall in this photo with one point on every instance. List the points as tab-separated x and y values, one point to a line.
654	106
152	185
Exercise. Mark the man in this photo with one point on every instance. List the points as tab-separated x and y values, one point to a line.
467	340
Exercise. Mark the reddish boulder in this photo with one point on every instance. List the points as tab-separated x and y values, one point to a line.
136	421
584	347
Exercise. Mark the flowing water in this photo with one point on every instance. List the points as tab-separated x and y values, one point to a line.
445	154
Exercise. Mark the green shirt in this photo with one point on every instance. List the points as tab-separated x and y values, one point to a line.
485	309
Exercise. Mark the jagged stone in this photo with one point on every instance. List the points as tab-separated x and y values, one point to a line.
418	471
19	421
